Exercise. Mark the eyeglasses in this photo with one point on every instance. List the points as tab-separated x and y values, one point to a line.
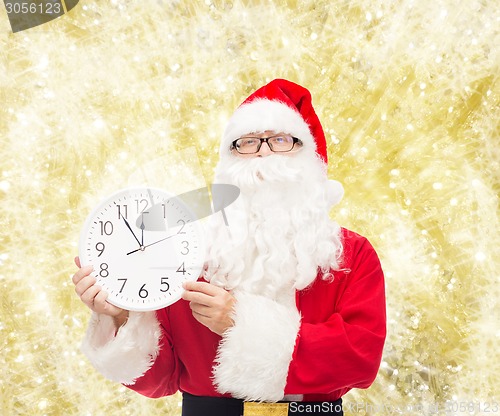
279	143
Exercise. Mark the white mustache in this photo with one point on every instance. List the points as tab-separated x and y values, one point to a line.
271	169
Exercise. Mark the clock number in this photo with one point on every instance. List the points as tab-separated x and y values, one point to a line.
141	203
125	210
106	227
143	293
100	247
123	285
181	269
164	283
104	270
182	227
185	249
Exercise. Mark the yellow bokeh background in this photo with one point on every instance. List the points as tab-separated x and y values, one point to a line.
122	92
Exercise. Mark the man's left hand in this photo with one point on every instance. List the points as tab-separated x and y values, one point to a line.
211	305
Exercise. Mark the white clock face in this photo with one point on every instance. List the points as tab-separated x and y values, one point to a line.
143	244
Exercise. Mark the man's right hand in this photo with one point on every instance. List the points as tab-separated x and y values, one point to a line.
94	297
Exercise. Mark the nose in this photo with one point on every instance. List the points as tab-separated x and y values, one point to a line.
264	150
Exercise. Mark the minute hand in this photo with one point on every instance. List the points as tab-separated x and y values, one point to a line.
156	242
130	228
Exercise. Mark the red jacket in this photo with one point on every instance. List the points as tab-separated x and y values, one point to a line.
338	346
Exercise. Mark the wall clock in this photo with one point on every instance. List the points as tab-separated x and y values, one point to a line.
143	244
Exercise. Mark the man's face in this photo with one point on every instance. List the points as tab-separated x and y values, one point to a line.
265	149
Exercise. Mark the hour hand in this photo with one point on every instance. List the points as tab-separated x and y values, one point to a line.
142	229
130	228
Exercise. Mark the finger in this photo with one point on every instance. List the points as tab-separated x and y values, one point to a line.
88	297
84	284
201	310
101	305
77	262
201	319
81	273
203	287
100	299
216	324
197	297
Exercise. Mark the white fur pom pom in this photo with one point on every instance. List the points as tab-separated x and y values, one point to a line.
335	192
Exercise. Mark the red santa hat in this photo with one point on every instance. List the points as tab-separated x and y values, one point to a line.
281	106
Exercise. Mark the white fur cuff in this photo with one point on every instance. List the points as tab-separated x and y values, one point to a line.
128	355
254	355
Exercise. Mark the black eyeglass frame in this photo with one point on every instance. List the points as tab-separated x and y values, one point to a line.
265	139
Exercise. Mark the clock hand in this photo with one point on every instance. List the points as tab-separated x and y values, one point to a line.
128	225
156	242
142	229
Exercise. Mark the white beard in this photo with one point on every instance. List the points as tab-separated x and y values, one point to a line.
279	233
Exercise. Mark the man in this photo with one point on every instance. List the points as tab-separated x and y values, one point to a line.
291	307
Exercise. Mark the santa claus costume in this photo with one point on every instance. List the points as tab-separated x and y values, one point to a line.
309	317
